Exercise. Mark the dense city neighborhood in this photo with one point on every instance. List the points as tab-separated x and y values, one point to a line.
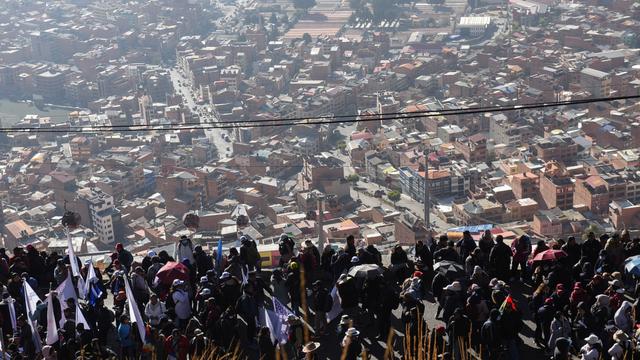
389	123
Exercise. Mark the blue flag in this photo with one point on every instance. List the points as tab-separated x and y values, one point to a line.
219	255
94	294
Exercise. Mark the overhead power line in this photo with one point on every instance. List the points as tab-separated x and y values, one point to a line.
308	121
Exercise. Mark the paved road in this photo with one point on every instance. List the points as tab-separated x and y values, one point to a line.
182	87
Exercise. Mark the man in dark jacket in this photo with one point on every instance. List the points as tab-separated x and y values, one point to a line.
500	259
204	262
322	303
348	294
448	253
491	336
591	248
125	257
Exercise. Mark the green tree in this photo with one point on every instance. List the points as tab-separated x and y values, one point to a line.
341	145
353	178
306	38
394	196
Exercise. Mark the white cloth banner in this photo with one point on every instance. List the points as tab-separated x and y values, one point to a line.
75	270
72	256
134	311
12	313
80	318
281	325
52	327
336	308
31	301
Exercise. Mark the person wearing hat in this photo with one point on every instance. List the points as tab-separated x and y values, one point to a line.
182	303
230	290
351	344
154	310
177	345
285	248
310	350
592	349
616	293
621	346
452	299
560	328
199	344
183	249
543	318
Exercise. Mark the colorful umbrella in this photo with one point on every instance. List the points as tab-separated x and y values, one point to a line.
550	255
171	271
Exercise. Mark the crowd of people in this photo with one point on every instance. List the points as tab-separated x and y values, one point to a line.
337	301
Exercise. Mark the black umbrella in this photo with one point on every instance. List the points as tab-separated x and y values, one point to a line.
450	269
365	271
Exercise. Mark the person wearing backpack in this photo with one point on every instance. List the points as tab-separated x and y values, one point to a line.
184	250
322	304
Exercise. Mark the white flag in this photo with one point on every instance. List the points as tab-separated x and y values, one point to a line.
134	311
336	308
72	256
12	313
80	318
66	291
81	286
31	301
270	320
281	325
245	275
52	327
91	278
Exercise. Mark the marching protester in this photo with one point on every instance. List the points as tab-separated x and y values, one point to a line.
334	303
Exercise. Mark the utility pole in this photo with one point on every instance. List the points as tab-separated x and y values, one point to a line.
427	197
319	222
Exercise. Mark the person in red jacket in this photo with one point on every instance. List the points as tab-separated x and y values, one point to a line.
176	346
